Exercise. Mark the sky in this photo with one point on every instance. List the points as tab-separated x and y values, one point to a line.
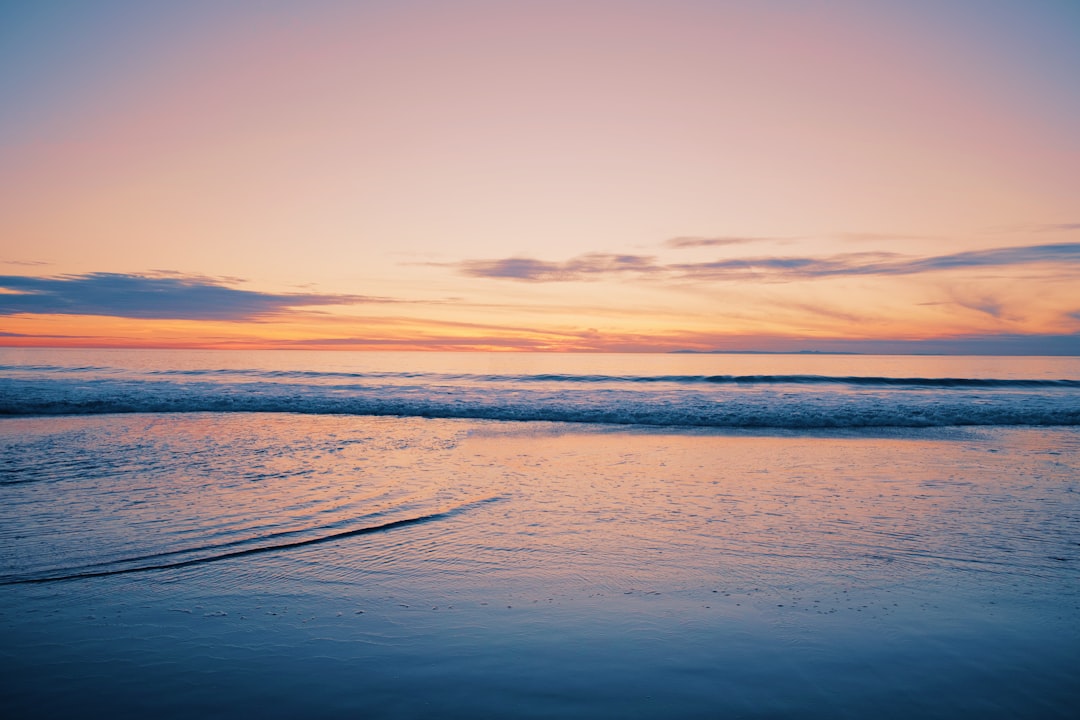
596	175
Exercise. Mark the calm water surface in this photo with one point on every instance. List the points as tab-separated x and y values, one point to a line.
176	542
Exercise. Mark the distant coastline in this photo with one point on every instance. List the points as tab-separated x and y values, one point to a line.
770	352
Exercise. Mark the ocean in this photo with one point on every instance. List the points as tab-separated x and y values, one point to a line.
393	535
795	392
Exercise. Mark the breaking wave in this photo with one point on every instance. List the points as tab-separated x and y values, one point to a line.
772	401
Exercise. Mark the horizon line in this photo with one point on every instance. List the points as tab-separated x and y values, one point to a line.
404	347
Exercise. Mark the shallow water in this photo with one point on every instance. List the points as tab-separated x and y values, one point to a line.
552	570
279	564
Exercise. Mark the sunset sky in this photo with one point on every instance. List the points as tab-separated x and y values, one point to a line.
542	175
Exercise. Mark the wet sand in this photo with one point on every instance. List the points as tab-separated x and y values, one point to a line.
418	568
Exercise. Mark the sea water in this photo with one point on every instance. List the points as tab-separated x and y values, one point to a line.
302	534
798	392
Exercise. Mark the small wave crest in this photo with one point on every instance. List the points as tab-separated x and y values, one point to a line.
715	405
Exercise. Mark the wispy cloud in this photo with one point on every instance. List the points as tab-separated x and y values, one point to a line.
766	268
877	263
781	269
158	297
681	243
1066	253
857	237
580	268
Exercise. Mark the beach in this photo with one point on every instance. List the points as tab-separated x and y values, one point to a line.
336	565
